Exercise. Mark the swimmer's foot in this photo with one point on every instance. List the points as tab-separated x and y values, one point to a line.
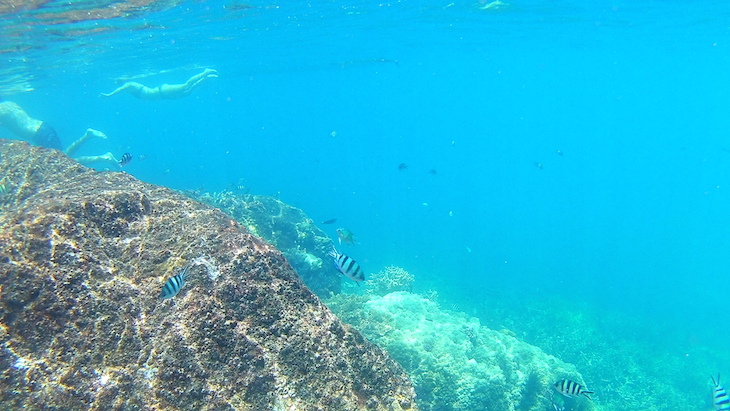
109	157
209	72
90	132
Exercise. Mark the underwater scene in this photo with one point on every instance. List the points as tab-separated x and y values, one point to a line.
524	203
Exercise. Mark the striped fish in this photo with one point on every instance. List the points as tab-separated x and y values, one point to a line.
571	389
720	398
126	159
3	186
174	284
347	266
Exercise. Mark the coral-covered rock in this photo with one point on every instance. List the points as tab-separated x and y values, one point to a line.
454	362
83	257
288	228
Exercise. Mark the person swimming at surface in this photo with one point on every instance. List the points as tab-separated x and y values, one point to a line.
40	133
165	91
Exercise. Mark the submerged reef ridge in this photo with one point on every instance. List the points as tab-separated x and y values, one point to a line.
455	362
83	257
288	228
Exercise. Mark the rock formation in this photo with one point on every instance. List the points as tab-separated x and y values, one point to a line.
303	244
83	257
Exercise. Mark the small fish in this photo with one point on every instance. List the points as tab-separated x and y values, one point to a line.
4	187
720	398
347	266
402	167
174	284
126	159
345	236
571	389
330	221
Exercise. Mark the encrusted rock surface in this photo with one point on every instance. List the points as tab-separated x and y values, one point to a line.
83	256
303	244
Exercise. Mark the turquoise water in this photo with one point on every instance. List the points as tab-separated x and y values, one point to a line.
320	102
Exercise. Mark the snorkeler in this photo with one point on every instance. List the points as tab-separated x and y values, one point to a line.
15	119
38	132
165	91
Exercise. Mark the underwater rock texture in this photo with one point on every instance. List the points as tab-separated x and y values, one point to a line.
303	244
454	362
83	257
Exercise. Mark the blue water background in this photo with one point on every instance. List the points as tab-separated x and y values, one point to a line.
632	218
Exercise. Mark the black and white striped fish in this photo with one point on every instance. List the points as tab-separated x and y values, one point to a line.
571	389
720	397
126	159
174	284
347	266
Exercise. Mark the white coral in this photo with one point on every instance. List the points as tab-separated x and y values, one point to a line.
390	279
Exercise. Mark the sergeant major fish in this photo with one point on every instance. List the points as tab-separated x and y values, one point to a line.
174	284
571	389
126	159
347	266
720	397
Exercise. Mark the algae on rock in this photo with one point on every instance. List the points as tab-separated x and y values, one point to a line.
83	257
303	244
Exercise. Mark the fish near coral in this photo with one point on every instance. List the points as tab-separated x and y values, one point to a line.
174	284
571	389
719	397
347	266
345	236
4	187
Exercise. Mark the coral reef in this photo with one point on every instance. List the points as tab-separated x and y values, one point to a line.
631	363
83	256
454	362
287	228
388	280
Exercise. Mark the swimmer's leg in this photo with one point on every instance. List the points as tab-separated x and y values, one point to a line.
90	133
130	86
200	77
105	158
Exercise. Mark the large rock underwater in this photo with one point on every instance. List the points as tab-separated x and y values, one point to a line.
83	256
